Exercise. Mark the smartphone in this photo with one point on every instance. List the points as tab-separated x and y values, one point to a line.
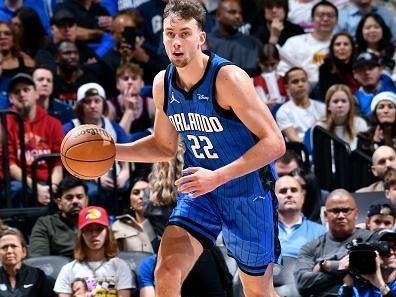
129	35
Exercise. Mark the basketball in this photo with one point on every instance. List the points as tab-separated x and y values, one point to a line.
88	151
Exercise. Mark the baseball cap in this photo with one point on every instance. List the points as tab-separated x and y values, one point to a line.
390	96
381	209
61	16
366	58
20	77
90	89
92	215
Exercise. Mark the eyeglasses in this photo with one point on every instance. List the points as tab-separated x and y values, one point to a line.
284	190
336	211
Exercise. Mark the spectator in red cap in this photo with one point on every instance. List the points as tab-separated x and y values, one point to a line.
96	260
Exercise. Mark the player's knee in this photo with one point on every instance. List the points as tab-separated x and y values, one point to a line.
259	289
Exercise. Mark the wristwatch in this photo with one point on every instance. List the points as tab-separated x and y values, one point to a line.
321	265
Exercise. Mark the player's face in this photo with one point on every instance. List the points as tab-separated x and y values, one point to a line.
44	82
289	194
182	40
72	201
380	221
339	105
136	197
94	236
386	112
130	82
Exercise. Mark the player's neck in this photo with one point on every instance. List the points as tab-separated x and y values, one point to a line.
189	75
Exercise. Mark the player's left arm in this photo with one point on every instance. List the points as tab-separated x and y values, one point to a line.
235	90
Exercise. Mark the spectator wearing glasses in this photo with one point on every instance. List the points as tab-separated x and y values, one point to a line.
322	262
384	159
295	229
316	44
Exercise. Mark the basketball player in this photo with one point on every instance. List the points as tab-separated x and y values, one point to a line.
231	140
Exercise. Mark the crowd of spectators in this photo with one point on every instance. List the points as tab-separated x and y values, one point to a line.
64	63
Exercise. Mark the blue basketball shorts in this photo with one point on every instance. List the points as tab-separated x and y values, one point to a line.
249	225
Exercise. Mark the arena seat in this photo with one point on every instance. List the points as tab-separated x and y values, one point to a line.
51	265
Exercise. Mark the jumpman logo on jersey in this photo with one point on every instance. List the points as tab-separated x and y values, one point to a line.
173	99
258	197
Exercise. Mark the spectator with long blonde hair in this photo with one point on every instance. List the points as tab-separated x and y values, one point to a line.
341	119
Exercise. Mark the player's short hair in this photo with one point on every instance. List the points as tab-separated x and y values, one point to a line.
186	9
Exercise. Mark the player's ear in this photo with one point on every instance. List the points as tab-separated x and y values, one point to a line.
202	38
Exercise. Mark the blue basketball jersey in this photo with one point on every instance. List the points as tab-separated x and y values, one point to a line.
213	136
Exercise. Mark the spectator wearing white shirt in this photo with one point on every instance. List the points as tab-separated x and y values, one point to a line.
309	50
299	114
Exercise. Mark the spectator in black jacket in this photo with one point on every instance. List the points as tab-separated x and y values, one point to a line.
337	66
16	278
275	28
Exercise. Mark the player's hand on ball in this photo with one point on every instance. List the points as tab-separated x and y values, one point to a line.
197	181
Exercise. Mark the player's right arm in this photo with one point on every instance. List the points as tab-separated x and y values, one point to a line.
162	144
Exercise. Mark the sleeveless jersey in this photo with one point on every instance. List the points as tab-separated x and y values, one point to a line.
213	136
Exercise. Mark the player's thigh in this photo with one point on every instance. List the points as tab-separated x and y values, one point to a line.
178	252
250	231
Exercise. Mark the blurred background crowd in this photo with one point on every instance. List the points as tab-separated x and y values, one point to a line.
325	69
